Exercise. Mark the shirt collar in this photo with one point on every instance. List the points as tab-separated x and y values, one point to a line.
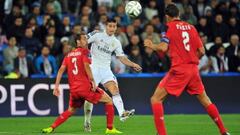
107	34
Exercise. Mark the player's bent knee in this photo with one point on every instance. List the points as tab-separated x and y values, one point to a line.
88	111
204	99
114	91
72	109
207	101
88	104
106	99
155	99
112	88
109	99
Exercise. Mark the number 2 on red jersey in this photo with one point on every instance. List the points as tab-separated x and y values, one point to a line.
185	37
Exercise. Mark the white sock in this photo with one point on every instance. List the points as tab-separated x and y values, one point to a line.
118	103
88	107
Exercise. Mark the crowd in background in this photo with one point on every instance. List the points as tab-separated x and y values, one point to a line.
35	35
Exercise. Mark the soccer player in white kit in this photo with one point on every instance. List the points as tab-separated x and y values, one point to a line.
104	44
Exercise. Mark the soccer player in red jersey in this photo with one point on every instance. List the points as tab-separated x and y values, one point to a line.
82	86
185	48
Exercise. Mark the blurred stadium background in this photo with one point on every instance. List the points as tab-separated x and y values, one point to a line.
36	32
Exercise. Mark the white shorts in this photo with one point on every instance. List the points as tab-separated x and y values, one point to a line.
102	75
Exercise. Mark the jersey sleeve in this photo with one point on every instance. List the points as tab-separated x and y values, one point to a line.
199	43
166	35
86	56
64	62
92	36
119	51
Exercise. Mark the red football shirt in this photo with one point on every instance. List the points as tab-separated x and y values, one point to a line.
77	76
183	40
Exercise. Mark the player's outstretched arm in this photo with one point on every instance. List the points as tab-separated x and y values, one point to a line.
56	90
90	75
201	52
129	63
91	37
163	46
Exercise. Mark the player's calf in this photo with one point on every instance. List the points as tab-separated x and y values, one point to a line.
61	119
108	109
117	100
88	107
212	112
158	111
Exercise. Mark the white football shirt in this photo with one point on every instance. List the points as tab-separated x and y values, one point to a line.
103	46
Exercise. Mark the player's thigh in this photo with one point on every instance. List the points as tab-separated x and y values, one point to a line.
204	99
109	81
94	96
195	85
175	82
112	86
97	77
75	101
159	95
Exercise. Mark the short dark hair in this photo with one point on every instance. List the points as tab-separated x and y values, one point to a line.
18	17
220	46
21	48
78	36
155	17
111	20
11	36
77	24
172	10
46	47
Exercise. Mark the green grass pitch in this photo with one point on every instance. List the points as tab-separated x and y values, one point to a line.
137	125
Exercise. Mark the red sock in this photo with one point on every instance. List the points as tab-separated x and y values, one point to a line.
110	115
62	118
214	114
158	113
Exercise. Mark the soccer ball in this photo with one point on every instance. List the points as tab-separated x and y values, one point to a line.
133	9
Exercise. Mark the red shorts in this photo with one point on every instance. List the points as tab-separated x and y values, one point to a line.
77	99
183	77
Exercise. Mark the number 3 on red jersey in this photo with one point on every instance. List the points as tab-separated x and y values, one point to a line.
75	70
185	37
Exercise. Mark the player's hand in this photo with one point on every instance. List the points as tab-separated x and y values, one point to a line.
210	63
137	68
56	91
97	30
94	86
148	43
